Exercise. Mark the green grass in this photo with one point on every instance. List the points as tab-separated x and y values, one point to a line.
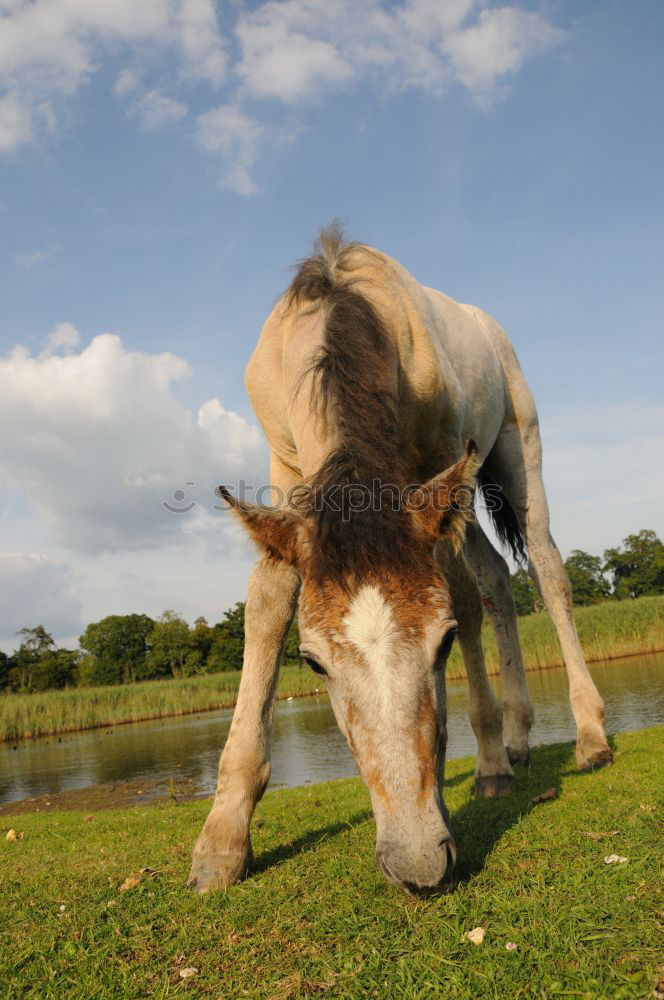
612	629
317	917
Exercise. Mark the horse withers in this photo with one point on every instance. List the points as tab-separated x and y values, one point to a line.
367	385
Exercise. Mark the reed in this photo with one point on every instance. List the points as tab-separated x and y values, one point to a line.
44	714
608	630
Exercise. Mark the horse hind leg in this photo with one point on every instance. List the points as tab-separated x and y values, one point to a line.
516	463
493	580
493	774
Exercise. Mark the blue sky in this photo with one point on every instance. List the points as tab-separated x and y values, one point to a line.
158	177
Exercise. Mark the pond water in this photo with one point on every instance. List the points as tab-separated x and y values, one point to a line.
307	745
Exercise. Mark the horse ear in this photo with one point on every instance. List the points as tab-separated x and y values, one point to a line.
276	532
447	500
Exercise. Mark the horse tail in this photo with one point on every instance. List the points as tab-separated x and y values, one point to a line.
504	520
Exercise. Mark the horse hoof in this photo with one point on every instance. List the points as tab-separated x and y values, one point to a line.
494	786
596	760
212	872
518	758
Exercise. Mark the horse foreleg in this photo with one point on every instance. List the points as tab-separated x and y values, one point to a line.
223	851
493	580
493	773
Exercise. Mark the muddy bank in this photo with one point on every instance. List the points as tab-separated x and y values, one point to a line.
112	795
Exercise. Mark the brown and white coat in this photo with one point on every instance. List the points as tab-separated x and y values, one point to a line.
362	379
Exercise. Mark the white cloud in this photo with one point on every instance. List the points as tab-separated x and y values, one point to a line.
15	123
29	260
228	132
126	82
292	49
37	590
296	52
497	45
97	441
63	337
280	60
196	27
50	48
155	110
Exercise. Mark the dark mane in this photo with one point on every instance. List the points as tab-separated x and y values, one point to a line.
354	389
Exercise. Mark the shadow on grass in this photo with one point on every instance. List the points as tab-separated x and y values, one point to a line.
477	826
307	842
458	779
480	823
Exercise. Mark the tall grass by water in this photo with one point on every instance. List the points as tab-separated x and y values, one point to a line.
608	630
43	714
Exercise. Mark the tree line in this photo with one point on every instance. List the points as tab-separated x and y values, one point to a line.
122	649
633	569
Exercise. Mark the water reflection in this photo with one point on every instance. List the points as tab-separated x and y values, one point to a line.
307	745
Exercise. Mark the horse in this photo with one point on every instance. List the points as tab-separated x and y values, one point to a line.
385	403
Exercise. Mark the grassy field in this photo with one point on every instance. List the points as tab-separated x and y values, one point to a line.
613	629
317	918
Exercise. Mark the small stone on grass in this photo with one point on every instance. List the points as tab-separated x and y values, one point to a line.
476	936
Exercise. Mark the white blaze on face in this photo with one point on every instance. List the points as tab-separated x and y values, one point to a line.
370	626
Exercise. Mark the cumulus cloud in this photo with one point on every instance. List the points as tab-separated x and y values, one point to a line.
291	49
154	110
280	60
50	48
97	441
37	590
29	260
496	45
202	46
63	337
126	82
15	122
233	135
294	52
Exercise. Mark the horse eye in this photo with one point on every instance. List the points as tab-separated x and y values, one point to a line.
445	647
315	666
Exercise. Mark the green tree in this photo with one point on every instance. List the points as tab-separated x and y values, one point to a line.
292	651
586	575
24	663
526	595
227	649
86	670
5	664
56	668
200	645
232	624
637	566
170	647
119	646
